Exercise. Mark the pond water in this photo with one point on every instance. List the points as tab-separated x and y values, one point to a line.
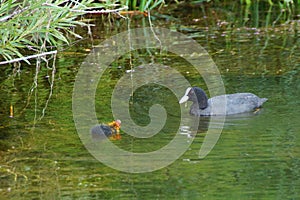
257	156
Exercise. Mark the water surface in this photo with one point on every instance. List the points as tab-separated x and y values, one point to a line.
256	157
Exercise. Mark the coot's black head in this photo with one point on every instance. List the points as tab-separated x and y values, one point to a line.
196	95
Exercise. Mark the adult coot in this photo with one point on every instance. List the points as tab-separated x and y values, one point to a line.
228	104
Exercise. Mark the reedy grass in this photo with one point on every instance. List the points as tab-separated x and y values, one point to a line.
142	5
34	26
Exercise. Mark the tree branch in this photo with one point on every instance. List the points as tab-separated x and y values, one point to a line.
90	11
17	11
28	57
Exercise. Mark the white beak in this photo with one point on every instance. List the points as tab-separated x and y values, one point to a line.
185	97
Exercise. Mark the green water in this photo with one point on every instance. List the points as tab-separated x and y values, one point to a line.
256	157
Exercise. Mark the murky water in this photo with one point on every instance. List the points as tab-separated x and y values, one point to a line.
256	157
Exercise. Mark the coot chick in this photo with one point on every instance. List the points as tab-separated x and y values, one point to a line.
111	131
235	103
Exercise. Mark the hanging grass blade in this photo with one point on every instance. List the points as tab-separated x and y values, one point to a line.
156	3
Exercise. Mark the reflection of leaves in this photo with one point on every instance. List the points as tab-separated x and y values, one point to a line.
291	78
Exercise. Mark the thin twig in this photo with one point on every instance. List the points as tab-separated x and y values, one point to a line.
152	30
16	12
90	11
51	88
28	57
35	86
101	11
120	15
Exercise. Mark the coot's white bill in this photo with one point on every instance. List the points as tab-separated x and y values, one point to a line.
185	97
